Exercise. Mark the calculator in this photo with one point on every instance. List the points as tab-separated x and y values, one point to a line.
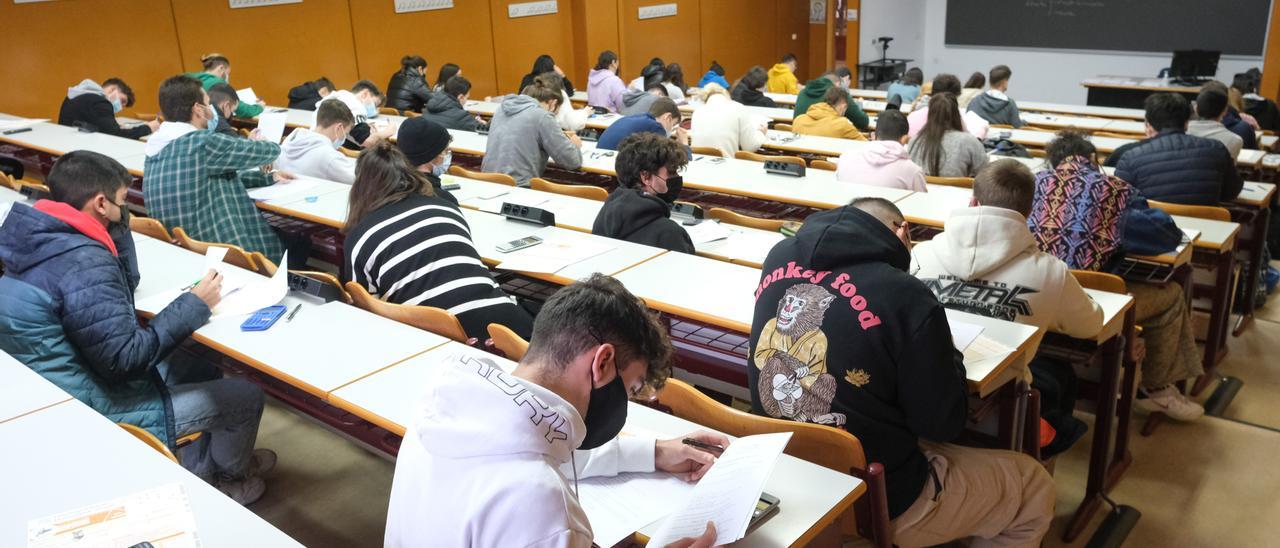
263	319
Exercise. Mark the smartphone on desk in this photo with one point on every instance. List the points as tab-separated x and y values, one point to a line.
516	245
766	505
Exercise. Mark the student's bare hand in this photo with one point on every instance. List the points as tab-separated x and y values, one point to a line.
686	461
707	540
209	288
283	176
573	138
154	125
682	135
256	135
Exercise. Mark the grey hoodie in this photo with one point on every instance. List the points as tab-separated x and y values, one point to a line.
305	152
636	102
85	87
996	107
521	137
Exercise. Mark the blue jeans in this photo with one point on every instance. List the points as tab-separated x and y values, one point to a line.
227	410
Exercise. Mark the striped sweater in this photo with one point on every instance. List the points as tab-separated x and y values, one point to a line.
419	252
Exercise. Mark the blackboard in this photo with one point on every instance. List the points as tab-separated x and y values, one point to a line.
1234	27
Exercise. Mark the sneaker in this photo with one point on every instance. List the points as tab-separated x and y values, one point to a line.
262	462
1172	402
245	491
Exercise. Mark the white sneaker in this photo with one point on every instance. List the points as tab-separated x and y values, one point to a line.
246	491
1172	402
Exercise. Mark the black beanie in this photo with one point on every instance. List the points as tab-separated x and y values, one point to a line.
421	140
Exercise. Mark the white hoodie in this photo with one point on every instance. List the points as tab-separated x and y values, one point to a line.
484	463
987	263
727	125
305	152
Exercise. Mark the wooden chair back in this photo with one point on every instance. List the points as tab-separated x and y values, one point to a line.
708	151
500	178
149	439
754	157
150	227
735	218
267	267
1100	281
824	165
1001	126
1114	134
388	110
144	116
235	255
348	152
508	342
580	191
1213	213
243	132
782	127
962	182
7	181
428	318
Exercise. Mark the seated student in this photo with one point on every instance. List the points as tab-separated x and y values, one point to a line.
198	179
225	101
995	106
1211	107
816	90
986	262
663	119
307	95
750	89
639	210
314	152
886	161
655	66
542	65
673	79
826	119
714	75
408	246
724	124
972	88
94	107
524	132
948	83
604	88
1090	220
447	106
943	148
1231	118
217	70
1262	109
782	77
426	145
907	88
594	346
638	102
1171	166
66	303
362	101
408	90
447	71
880	363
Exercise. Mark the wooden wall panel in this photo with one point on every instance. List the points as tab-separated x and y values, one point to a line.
595	29
50	46
271	48
523	39
791	30
734	32
459	35
821	42
674	39
1270	86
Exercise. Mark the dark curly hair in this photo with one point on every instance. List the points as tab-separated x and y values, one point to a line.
647	152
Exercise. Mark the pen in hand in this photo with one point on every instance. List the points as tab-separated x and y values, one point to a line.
713	449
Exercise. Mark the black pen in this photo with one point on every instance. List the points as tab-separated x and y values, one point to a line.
16	131
294	313
713	449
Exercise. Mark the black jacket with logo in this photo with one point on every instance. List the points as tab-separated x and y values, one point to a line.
843	335
640	218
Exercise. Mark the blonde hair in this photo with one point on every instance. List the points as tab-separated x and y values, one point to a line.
710	90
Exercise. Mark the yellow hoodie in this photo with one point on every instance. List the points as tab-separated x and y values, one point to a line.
781	80
822	120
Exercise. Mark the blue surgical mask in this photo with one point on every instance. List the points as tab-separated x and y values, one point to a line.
116	107
213	117
443	167
337	143
370	110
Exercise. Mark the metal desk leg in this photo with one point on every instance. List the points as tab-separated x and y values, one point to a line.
1121	457
1100	453
1215	346
1257	243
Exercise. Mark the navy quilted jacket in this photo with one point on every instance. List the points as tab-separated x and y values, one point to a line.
66	310
1179	168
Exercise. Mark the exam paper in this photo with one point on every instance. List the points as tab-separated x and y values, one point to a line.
19	123
727	495
963	333
553	255
620	505
280	191
271	125
983	355
706	231
256	294
161	516
247	95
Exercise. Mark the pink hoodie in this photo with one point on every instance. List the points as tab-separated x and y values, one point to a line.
605	89
881	163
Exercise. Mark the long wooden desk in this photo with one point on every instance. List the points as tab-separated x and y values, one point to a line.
1131	91
57	140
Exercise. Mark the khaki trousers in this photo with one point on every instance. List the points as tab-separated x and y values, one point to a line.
1172	356
1001	498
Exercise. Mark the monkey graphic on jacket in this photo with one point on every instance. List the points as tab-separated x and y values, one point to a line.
791	354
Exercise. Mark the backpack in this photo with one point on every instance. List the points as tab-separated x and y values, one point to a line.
1005	147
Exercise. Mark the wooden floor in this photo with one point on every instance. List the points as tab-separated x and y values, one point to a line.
1210	483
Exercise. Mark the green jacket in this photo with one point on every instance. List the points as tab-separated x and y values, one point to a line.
815	90
244	110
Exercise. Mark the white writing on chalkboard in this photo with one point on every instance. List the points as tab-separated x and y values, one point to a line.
406	6
660	10
260	3
529	9
1068	8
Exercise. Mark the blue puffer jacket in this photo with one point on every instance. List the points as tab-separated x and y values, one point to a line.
66	310
1179	168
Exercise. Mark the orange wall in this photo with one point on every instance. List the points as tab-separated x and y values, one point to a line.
460	35
736	47
1271	61
595	27
523	39
674	39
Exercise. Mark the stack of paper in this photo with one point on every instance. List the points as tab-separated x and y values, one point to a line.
706	231
280	191
623	504
963	333
983	355
247	95
161	516
19	123
271	125
553	255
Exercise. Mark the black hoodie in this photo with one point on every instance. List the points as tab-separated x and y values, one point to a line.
640	218
843	335
304	96
751	97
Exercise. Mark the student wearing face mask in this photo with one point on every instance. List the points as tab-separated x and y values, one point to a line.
662	119
406	245
639	210
362	100
408	89
94	107
198	179
524	133
217	70
448	105
314	152
225	101
426	145
594	346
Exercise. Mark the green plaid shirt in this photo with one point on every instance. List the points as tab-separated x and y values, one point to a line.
200	182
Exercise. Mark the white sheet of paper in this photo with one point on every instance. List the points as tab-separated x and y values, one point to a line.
20	123
280	191
621	505
257	294
983	355
213	256
247	95
271	125
706	231
553	255
161	516
963	334
727	495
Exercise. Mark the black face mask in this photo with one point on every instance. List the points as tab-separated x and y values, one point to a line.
674	184
606	413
